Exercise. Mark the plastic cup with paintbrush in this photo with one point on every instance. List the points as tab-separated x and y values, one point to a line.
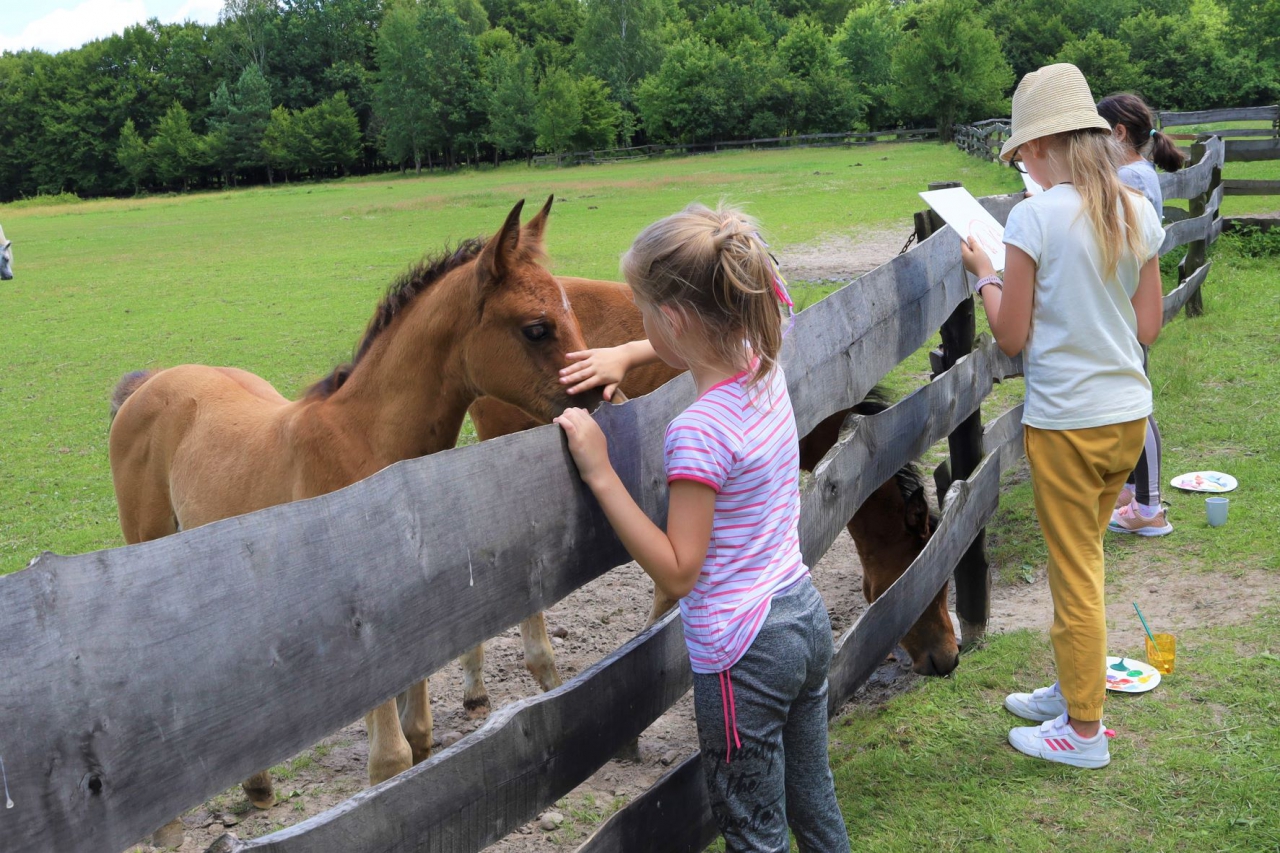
1161	648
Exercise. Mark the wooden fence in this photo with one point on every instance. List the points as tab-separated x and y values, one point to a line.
808	140
139	681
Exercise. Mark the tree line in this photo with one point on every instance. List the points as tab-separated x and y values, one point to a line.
281	89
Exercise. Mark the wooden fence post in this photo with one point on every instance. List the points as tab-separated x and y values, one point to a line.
972	575
1197	250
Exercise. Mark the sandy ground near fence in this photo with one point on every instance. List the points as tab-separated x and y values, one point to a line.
601	616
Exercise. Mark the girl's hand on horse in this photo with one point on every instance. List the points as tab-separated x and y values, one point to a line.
605	366
975	258
587	444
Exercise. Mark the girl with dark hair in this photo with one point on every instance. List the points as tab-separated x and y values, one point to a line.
1138	508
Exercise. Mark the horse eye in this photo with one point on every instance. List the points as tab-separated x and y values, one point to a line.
536	332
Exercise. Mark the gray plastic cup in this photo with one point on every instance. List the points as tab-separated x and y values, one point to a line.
1216	510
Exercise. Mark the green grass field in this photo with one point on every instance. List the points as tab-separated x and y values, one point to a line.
281	281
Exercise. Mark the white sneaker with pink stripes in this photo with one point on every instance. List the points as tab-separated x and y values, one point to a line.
1055	740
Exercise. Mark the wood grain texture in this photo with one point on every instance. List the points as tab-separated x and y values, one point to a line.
1243	187
673	816
1252	150
1182	119
527	756
1194	180
1176	298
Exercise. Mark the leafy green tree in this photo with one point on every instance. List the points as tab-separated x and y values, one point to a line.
601	115
865	42
403	97
453	76
512	104
558	117
949	66
175	150
131	154
334	134
286	143
1105	62
701	93
237	121
621	41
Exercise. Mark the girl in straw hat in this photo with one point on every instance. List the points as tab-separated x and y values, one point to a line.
1080	296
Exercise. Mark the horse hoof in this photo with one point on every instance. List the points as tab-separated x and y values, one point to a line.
262	798
168	836
477	709
420	753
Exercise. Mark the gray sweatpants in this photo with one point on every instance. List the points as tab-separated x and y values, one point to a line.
775	772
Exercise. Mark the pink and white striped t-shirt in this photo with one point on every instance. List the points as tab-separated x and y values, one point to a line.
740	441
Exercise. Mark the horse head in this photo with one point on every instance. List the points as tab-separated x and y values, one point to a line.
6	258
524	325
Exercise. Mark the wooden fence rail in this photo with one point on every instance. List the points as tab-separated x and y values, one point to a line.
153	676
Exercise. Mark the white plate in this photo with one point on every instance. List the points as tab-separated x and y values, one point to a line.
1127	675
1205	481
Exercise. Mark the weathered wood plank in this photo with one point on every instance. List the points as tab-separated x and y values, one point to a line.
1195	228
1195	179
1264	222
1176	298
1252	150
968	506
528	755
1242	187
1004	436
682	794
875	447
673	816
1183	119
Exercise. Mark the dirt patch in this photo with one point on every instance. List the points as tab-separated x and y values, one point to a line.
841	257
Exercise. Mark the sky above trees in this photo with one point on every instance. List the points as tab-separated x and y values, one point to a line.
56	25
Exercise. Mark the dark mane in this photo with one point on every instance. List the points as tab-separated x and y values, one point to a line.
401	293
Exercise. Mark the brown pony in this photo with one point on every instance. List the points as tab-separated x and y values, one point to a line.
193	444
889	530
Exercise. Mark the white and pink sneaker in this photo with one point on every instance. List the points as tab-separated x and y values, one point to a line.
1055	740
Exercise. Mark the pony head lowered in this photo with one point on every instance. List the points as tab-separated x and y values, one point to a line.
6	258
504	320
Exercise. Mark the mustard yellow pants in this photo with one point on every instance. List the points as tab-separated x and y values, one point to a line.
1076	475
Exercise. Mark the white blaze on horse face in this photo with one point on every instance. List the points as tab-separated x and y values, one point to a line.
564	298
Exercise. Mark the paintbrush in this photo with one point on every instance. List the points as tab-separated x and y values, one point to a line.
1155	647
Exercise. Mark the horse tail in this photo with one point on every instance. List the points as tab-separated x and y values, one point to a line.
126	386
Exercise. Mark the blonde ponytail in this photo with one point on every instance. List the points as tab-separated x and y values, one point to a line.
714	265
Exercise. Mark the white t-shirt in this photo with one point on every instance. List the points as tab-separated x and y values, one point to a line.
1082	361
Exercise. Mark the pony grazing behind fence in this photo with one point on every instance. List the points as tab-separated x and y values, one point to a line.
194	444
890	529
6	258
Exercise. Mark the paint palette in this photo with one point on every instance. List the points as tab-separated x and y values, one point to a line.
1205	481
1126	675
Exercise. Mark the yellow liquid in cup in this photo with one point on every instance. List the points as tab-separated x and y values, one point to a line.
1162	656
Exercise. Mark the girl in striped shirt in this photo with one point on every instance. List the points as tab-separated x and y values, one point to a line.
757	631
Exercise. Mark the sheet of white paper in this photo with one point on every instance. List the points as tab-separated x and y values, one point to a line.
1032	186
962	212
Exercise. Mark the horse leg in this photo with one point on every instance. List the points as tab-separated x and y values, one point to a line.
389	751
415	721
661	604
475	698
538	657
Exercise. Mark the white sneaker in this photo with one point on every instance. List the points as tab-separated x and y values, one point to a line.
1055	740
1044	704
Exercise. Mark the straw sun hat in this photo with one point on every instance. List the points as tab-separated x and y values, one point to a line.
1054	99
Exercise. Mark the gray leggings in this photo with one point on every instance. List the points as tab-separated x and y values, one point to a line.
775	773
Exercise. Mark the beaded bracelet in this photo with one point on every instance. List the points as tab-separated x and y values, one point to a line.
984	281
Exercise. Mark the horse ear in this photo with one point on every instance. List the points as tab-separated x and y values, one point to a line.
499	252
531	238
916	514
